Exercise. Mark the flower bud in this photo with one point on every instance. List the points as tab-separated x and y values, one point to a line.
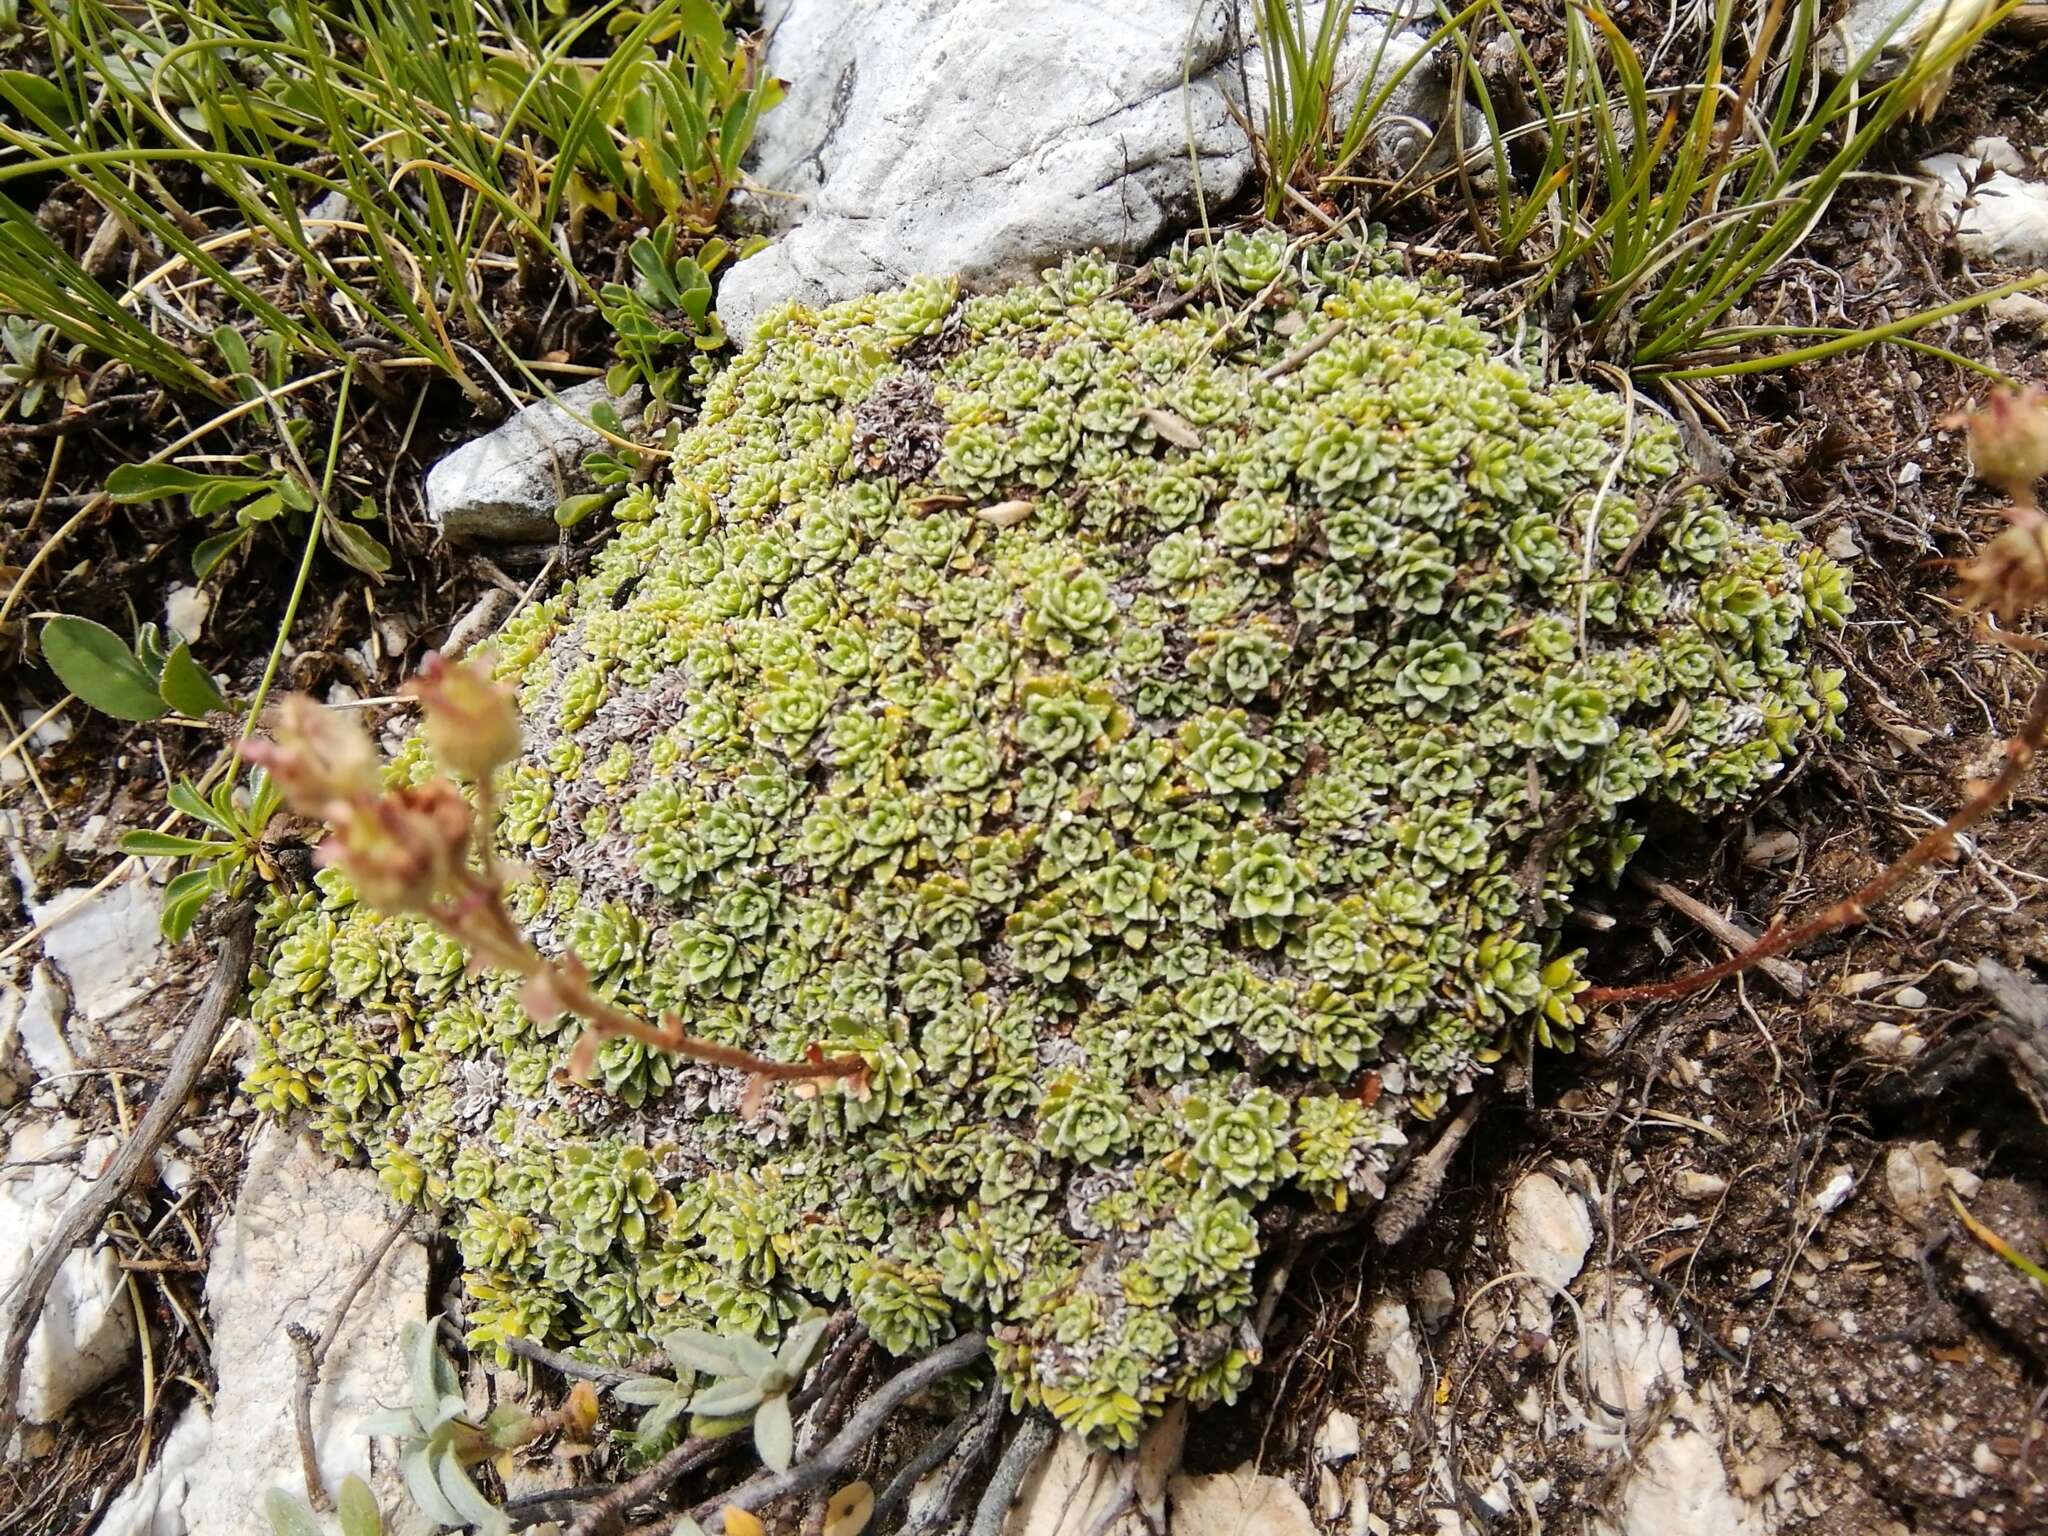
2009	441
320	756
2008	577
472	722
404	849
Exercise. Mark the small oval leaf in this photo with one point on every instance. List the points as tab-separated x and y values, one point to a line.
775	1433
359	1514
288	1514
93	663
210	552
187	687
848	1511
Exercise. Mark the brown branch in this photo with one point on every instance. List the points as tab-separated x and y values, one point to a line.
312	1354
982	1438
2020	753
832	1457
1033	1439
1790	977
914	1471
188	1060
607	1513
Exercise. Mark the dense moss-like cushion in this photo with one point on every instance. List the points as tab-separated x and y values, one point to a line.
1163	748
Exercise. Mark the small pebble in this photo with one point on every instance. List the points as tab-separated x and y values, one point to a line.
1831	1194
1910	997
1434	1297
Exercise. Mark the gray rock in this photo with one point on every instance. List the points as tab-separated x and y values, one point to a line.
503	487
33	1045
107	944
87	1329
980	138
989	139
300	1231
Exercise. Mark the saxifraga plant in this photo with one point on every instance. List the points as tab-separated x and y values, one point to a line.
1161	751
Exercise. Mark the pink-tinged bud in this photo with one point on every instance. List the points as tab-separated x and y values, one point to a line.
472	722
2008	577
542	996
319	756
2009	441
402	850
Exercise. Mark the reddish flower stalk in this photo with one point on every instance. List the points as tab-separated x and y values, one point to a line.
2007	578
426	851
2020	753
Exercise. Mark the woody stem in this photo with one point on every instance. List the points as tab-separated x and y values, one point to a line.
605	1019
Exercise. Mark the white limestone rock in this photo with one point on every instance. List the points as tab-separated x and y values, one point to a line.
301	1229
1072	1491
990	139
1240	1503
1337	1441
1549	1233
1390	1338
1995	201
504	487
107	944
1896	28
87	1328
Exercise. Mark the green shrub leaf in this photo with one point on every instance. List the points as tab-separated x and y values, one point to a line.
210	552
187	687
147	844
775	1433
93	662
183	899
288	1514
359	1516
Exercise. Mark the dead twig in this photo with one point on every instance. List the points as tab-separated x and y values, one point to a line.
981	1441
914	1471
1033	1438
1791	978
1411	1200
583	1370
862	1427
312	1354
188	1061
1304	352
610	1509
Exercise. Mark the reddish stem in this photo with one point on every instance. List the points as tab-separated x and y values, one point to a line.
2020	753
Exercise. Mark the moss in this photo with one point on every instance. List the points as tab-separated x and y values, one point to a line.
1162	749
